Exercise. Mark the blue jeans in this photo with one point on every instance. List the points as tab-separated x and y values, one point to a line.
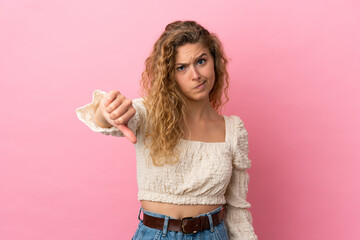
146	233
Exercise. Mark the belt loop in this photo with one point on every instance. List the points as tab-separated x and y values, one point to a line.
211	222
166	223
139	215
223	213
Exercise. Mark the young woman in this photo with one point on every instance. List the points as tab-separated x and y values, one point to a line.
191	160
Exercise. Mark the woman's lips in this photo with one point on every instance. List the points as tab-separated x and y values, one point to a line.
200	85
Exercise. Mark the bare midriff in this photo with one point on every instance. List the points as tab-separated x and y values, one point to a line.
177	211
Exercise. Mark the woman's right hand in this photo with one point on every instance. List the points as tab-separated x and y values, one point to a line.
116	110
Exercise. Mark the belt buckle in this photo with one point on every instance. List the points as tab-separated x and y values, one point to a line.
182	225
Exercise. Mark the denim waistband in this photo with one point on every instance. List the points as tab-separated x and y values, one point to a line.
163	216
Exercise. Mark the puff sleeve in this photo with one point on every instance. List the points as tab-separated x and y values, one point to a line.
86	114
238	219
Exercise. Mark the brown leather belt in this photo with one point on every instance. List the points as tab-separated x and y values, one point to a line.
186	225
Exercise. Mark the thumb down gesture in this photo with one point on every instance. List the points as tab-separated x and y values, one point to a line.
116	110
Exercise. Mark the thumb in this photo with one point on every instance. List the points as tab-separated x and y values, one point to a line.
127	133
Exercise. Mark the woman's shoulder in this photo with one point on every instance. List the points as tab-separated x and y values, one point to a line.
237	131
236	122
239	142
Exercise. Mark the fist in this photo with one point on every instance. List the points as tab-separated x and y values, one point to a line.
117	110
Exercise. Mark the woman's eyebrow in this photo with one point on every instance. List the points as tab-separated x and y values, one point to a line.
203	54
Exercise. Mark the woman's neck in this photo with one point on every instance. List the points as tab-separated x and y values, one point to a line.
198	111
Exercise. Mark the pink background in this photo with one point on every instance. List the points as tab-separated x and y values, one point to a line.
294	81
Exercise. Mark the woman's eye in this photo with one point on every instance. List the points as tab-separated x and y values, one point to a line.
201	61
180	68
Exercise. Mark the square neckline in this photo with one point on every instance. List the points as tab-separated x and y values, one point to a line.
202	142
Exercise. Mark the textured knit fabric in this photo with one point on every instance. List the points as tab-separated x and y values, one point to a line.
207	172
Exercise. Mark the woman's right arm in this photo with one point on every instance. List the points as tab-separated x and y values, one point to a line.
112	114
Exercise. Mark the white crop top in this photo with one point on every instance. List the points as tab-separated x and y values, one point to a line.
207	172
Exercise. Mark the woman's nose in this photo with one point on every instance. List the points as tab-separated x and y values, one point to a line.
195	73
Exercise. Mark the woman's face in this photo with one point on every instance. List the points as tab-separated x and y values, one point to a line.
194	71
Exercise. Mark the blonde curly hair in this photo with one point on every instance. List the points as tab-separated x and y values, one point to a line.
164	102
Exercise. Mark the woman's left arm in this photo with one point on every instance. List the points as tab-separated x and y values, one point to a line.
238	218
